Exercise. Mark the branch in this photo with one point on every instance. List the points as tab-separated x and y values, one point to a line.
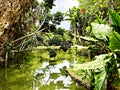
37	31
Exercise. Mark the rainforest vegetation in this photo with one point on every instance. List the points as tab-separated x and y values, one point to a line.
28	30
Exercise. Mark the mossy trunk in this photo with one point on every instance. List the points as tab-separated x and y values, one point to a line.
12	13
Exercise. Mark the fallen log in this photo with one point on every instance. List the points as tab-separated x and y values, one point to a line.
77	78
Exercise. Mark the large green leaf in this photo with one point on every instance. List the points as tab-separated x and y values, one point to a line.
98	65
115	17
101	80
90	65
101	31
114	43
99	62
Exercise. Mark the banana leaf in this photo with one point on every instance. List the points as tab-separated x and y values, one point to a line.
115	17
114	43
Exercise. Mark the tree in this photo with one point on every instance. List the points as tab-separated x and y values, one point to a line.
18	22
12	14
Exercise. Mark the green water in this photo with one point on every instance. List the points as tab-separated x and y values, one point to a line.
41	72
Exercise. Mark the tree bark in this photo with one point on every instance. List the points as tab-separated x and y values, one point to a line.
111	5
11	14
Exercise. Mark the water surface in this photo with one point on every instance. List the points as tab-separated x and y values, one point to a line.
40	73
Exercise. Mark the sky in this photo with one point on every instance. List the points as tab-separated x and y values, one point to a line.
63	6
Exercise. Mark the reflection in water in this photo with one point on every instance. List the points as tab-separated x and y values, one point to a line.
53	77
47	77
38	75
48	73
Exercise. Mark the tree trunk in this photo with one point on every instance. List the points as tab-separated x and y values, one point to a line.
111	5
11	14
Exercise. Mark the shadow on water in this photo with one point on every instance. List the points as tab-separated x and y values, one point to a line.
40	73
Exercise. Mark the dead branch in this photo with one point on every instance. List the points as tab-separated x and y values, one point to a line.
27	36
37	31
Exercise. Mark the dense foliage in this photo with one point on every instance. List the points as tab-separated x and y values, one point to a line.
94	24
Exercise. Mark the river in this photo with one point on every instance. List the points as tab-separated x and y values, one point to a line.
40	72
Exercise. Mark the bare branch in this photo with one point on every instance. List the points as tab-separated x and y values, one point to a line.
37	31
